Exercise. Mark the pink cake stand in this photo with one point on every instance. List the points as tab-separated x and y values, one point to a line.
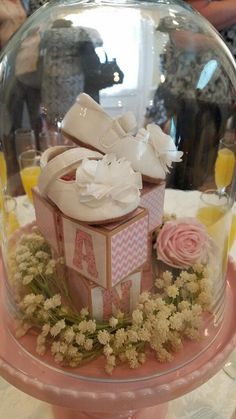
143	393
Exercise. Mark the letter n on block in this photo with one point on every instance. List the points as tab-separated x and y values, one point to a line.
123	297
118	300
103	303
83	252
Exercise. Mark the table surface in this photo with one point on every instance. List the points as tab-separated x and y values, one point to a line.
216	399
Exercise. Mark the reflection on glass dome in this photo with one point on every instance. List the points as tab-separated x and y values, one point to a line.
118	151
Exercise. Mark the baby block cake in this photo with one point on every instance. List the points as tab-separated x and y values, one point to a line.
103	254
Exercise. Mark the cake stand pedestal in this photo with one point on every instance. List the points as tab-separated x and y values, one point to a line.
88	395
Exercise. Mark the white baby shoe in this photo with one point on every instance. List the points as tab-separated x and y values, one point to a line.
61	164
150	152
100	189
52	152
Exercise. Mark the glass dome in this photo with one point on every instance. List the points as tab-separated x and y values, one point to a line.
117	170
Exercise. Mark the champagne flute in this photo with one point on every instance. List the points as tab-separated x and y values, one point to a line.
3	171
24	140
213	208
12	222
3	181
224	171
224	165
215	213
230	365
8	215
29	162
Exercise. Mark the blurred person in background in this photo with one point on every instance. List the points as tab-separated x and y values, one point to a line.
67	52
192	107
12	15
49	69
222	15
33	5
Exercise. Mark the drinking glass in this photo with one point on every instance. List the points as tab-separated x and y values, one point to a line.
29	162
225	164
230	366
24	140
3	171
212	208
49	138
215	213
8	214
12	222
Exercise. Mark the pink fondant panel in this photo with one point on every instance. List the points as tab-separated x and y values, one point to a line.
85	250
152	198
46	220
148	264
129	249
147	281
78	289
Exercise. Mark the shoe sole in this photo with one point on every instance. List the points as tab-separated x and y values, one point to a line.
90	147
97	222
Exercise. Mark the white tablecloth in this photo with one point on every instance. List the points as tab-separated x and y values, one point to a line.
216	399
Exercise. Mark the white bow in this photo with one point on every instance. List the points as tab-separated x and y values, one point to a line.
107	178
163	145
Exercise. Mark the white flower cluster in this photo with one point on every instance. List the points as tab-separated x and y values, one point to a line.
30	260
160	322
32	269
193	286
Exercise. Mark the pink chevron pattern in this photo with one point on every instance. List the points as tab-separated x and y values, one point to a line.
129	249
152	198
148	263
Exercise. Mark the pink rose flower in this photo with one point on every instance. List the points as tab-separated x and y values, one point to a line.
182	243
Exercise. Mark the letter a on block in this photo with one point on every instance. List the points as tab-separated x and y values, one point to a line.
111	297
84	253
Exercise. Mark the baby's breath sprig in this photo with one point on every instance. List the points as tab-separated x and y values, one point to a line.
160	322
33	269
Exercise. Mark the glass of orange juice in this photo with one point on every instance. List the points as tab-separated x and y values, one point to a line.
225	165
215	213
8	214
12	222
3	171
213	208
29	162
232	235
230	365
